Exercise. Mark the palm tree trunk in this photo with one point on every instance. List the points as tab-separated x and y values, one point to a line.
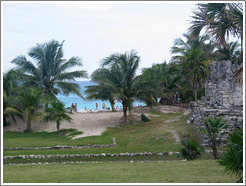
124	111
28	122
112	105
58	128
214	148
198	105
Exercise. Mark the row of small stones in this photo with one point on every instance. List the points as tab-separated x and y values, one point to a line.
60	147
97	155
73	162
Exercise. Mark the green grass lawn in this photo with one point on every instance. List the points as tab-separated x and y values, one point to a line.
153	136
198	171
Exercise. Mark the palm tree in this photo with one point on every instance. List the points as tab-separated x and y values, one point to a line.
159	81
195	71
214	128
124	79
181	46
11	88
57	112
219	20
233	158
230	52
101	91
51	71
31	101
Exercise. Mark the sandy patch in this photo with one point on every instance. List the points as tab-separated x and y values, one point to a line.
91	124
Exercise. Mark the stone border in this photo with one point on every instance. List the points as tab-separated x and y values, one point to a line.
63	147
73	162
100	155
92	155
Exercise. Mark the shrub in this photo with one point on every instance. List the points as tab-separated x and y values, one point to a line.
233	158
191	149
144	118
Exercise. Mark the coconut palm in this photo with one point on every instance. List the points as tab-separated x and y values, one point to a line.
219	20
124	79
51	71
195	70
57	112
30	101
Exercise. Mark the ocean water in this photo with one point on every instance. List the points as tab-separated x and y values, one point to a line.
89	104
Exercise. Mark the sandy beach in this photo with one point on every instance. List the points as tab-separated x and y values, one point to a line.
90	123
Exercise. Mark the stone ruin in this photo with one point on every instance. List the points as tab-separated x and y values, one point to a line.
223	97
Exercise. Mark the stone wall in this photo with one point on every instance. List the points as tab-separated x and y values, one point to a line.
223	97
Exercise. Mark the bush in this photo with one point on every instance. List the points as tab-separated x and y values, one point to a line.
191	149
144	118
233	158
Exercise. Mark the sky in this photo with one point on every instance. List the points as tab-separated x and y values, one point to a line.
95	30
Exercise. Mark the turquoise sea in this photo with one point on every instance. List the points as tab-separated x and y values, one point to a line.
89	104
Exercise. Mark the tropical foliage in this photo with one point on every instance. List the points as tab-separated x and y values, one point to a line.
50	70
191	149
215	128
118	74
233	158
31	102
57	112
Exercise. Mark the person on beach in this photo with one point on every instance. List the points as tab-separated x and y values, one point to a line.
103	106
85	109
73	107
96	106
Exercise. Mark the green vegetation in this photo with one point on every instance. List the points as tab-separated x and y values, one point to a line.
152	136
214	128
233	158
57	112
30	86
198	171
191	149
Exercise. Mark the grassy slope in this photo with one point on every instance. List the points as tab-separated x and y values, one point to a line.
152	136
198	171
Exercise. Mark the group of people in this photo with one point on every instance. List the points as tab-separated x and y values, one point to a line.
74	107
103	106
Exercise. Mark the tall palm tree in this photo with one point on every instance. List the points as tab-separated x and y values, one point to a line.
181	46
57	112
51	71
195	70
219	20
31	101
124	79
